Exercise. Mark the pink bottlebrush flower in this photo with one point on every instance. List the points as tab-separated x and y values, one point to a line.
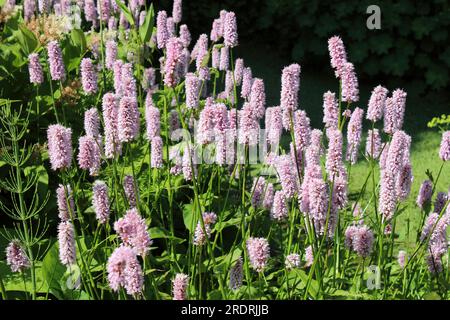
309	256
215	57
363	241
89	156
200	49
64	213
44	6
216	30
174	121
221	122
224	59
152	118
236	274
59	146
92	123
110	110
394	111
55	60
402	258
125	271
349	236
269	194
330	110
312	155
148	79
66	240
130	188
312	171
35	69
354	133
275	128
200	237
340	191
286	171
247	81
438	245
403	182
337	54
128	119
111	54
174	50
128	83
290	85
444	151
388	196
399	97
258	252
170	27
230	35
29	9
177	11
104	9
389	116
279	209
350	90
185	35
123	22
180	286
192	84
302	130
16	257
248	126
439	203
112	23
88	76
373	144
229	86
316	138
188	165
90	12
334	163
100	201
292	261
205	132
182	67
162	34
425	192
141	19
430	223
117	71
132	230
238	71
157	152
347	113
258	97
383	156
377	103
318	203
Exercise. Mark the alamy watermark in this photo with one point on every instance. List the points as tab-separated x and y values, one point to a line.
373	22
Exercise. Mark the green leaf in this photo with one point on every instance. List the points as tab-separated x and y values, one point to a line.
53	271
13	281
145	31
27	40
188	216
78	39
432	296
126	12
313	285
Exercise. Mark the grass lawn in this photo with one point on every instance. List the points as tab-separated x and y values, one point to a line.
267	64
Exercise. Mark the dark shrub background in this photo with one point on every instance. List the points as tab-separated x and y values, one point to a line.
413	42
